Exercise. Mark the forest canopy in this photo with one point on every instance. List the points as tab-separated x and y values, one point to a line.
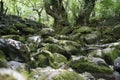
69	12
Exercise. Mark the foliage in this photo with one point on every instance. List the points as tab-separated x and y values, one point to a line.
34	9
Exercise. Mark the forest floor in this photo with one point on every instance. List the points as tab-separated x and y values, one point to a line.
81	51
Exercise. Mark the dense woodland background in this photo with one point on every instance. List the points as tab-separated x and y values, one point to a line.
59	39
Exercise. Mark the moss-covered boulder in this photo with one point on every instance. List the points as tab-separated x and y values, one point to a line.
20	26
8	30
28	30
42	61
83	30
68	75
71	49
89	38
54	48
15	37
66	30
109	57
2	59
116	31
49	73
59	60
82	66
50	40
45	32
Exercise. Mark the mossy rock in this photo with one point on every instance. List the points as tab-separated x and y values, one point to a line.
2	55
15	37
50	40
45	32
54	48
6	77
59	60
42	61
62	37
2	59
71	49
66	30
9	30
116	31
89	38
83	30
20	26
111	56
68	75
28	30
33	47
68	42
82	66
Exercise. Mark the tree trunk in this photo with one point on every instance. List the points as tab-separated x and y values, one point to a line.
56	9
84	15
1	9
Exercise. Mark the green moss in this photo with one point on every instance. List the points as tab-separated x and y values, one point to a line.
83	29
9	30
20	26
59	58
71	49
90	67
33	47
68	75
42	61
54	48
6	77
28	30
111	56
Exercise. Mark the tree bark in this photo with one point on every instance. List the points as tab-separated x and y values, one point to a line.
1	9
84	15
57	11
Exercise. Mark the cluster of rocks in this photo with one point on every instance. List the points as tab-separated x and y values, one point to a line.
85	53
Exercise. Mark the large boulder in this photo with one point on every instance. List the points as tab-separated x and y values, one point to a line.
83	65
89	38
14	49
